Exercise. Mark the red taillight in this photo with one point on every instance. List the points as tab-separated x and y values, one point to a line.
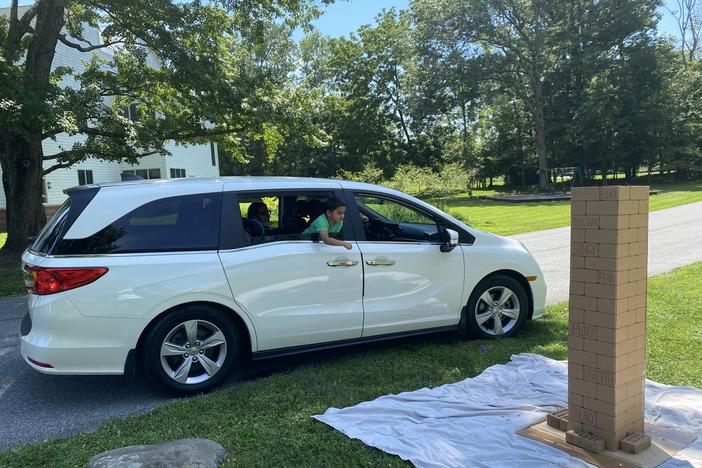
40	364
44	281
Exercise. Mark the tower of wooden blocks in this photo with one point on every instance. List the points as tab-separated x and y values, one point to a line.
607	322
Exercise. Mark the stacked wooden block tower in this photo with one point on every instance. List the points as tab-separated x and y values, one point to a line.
607	323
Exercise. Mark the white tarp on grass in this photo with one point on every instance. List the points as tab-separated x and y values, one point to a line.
475	422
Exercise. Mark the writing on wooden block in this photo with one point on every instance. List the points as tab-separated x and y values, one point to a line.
635	443
585	440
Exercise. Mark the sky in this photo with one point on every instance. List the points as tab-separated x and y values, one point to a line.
346	16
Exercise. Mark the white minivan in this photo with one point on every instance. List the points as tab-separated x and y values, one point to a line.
184	279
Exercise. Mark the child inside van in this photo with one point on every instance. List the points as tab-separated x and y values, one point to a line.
329	222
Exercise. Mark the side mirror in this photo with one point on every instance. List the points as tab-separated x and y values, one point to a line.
450	240
31	239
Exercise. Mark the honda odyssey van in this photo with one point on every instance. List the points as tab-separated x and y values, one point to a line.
184	279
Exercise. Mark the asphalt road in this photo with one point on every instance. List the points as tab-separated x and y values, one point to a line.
35	407
674	240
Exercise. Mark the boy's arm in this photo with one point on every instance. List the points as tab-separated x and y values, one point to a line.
327	239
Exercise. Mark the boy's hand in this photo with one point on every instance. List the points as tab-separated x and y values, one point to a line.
347	245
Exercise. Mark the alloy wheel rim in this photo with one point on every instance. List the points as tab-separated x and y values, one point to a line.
193	352
497	310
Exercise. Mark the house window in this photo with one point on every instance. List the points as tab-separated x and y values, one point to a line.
85	177
131	112
145	174
44	192
213	153
177	173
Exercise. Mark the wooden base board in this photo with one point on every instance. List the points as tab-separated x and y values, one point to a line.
665	443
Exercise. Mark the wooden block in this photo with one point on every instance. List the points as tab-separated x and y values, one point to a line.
579	194
582	330
636	274
578	208
582	249
615	192
607	291
583	275
577	235
638	220
628	207
609	264
582	415
637	302
612	395
583	302
558	419
643	206
600	319
577	288
611	335
640	316
607	236
641	287
642	234
576	315
611	363
586	441
585	358
612	277
635	330
613	306
603	208
597	376
614	222
638	248
585	222
575	370
635	443
639	192
612	250
575	342
577	262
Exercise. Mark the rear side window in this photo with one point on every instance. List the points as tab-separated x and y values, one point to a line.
184	223
52	230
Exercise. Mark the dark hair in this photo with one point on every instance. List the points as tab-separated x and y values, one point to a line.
253	208
334	203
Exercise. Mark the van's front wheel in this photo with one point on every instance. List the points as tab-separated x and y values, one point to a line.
497	308
191	350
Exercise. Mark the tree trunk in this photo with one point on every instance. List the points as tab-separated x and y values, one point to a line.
22	181
540	131
21	154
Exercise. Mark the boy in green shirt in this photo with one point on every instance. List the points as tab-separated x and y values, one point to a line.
329	222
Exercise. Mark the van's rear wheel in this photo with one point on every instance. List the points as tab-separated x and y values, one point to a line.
191	350
497	308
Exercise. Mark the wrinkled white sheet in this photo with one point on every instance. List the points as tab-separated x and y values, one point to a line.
475	422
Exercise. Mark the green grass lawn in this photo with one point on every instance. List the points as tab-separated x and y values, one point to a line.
11	282
505	218
267	422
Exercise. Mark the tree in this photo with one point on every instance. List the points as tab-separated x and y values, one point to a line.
203	87
688	16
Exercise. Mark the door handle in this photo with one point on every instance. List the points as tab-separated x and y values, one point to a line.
342	262
381	261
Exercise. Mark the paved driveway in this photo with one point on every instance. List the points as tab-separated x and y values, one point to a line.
35	407
674	240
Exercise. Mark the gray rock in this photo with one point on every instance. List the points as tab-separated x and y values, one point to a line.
184	453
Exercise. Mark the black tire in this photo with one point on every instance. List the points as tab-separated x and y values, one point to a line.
220	358
478	307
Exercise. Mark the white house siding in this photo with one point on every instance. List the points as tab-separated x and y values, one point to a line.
195	159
